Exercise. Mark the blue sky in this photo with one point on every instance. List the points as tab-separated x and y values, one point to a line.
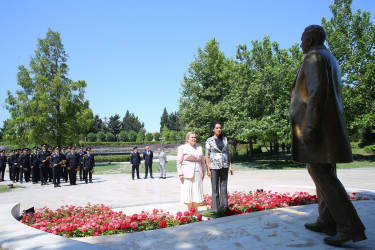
133	54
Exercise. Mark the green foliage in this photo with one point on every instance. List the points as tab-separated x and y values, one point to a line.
157	136
149	137
141	135
123	136
350	37
109	137
131	122
99	143
100	136
132	135
114	124
91	137
171	121
112	158
48	107
370	149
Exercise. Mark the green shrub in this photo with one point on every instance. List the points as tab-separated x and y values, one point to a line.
100	136
132	136
157	136
122	144
113	158
109	137
370	149
123	136
91	136
149	137
354	145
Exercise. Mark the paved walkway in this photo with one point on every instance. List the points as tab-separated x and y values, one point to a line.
121	192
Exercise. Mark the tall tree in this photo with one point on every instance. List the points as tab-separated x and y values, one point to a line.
351	39
98	125
164	119
131	122
203	89
174	121
49	107
114	124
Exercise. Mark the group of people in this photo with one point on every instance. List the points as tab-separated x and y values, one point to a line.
148	156
48	165
319	139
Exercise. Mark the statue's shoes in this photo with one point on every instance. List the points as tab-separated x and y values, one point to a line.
321	228
341	238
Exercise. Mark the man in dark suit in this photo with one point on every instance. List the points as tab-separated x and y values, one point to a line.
15	161
148	155
88	165
135	162
319	137
43	158
25	165
81	153
34	161
3	164
56	166
10	164
64	170
72	164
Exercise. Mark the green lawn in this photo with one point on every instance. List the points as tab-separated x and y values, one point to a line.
4	188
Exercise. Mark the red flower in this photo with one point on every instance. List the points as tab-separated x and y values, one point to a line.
162	224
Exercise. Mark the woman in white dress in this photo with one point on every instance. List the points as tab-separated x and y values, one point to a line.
190	167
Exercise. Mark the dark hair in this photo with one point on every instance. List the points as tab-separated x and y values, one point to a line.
317	33
212	132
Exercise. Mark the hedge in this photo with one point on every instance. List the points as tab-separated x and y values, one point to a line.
113	158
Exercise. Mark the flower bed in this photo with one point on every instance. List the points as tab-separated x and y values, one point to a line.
94	220
241	202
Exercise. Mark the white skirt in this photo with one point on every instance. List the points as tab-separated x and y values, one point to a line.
192	189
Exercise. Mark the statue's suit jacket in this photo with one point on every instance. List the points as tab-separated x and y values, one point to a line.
316	105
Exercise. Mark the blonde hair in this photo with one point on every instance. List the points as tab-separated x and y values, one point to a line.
188	135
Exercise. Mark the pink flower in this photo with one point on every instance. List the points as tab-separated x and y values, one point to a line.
133	225
162	224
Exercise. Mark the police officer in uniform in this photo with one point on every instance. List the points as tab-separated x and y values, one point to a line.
34	161
15	161
25	165
81	154
43	158
72	163
135	162
64	170
10	164
56	166
88	165
3	164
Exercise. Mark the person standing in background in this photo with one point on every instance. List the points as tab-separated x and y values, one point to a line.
25	165
43	157
10	164
72	163
81	153
88	165
35	166
3	164
15	160
135	162
56	165
162	161
148	156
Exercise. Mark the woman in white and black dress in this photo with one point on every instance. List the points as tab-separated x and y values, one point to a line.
218	162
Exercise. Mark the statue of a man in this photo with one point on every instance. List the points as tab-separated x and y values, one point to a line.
319	137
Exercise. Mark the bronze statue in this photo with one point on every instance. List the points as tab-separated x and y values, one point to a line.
319	137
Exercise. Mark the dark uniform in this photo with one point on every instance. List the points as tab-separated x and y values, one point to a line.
10	165
49	170
14	160
147	157
88	165
64	170
35	171
3	164
25	166
135	159
72	163
56	168
43	155
81	154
